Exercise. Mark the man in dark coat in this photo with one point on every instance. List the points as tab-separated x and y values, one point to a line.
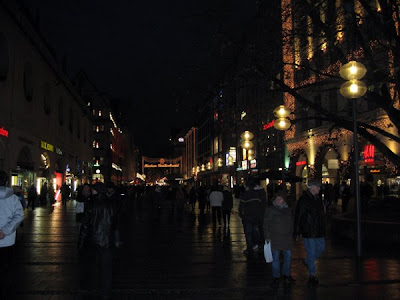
310	223
96	240
251	210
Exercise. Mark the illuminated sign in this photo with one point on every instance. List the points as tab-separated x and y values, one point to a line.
253	164
46	146
3	132
244	165
161	166
374	171
181	140
369	153
301	163
269	125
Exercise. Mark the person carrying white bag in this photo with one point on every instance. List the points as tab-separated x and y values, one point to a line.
278	233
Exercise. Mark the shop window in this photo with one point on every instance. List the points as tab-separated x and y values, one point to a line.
4	57
100	113
28	81
46	99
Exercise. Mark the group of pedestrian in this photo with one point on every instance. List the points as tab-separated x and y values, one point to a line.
275	224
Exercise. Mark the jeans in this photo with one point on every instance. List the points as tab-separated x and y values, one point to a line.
252	233
314	248
276	264
226	214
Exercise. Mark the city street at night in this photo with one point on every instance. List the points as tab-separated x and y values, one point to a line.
170	259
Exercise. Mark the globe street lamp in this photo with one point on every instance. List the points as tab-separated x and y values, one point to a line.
247	144
353	88
282	123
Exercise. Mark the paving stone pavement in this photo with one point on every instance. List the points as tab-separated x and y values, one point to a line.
189	259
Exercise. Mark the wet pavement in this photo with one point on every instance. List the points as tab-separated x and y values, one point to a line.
189	259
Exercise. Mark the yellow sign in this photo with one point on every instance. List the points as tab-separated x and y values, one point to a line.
46	146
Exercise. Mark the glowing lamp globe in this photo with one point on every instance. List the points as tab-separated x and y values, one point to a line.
353	89
281	111
353	70
282	123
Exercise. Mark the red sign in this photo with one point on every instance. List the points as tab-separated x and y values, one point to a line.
3	132
369	153
301	163
269	125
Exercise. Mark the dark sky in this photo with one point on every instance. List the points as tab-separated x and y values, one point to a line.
157	56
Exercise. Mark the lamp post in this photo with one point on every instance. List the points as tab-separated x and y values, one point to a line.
247	144
282	123
353	89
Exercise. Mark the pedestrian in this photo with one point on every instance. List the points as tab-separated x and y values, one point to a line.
96	240
251	211
43	194
278	230
202	197
310	224
11	215
227	206
84	194
32	195
192	197
51	194
65	191
344	192
216	199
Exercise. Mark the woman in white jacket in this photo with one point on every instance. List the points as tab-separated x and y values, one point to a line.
11	215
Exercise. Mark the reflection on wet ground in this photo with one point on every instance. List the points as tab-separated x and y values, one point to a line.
173	257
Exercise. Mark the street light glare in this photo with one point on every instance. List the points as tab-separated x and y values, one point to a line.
353	88
353	70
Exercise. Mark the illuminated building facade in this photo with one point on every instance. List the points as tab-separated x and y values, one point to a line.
316	40
45	129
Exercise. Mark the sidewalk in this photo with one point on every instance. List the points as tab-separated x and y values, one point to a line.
189	260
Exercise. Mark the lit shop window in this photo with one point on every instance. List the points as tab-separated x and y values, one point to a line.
100	113
95	144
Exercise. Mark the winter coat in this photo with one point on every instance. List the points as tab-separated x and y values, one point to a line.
278	227
310	216
98	223
227	204
216	198
251	206
11	215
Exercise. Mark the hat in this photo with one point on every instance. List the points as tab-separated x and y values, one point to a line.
314	182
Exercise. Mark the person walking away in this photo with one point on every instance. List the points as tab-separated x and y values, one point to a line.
51	194
344	192
250	210
278	230
227	206
11	215
84	195
310	224
96	240
216	199
32	195
367	193
202	197
192	198
43	194
65	191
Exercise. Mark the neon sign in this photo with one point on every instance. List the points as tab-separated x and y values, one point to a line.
269	125
3	132
301	163
369	153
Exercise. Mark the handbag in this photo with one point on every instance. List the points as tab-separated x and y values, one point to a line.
80	207
268	252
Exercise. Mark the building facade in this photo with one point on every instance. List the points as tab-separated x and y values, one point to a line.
45	133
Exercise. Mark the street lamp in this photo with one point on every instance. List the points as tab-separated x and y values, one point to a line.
282	123
247	144
353	88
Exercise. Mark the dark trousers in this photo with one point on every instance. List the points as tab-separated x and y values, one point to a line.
216	214
226	215
252	233
7	266
31	202
97	270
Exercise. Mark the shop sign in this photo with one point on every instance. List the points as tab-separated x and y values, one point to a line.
375	171
369	153
3	132
59	151
46	146
269	125
301	163
244	165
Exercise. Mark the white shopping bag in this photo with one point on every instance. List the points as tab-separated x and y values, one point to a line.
268	252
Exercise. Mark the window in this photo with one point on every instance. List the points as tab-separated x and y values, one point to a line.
96	144
100	113
94	112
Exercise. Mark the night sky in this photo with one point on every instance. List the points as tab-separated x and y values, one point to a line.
158	57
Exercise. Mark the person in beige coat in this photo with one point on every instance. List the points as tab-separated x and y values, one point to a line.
278	230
